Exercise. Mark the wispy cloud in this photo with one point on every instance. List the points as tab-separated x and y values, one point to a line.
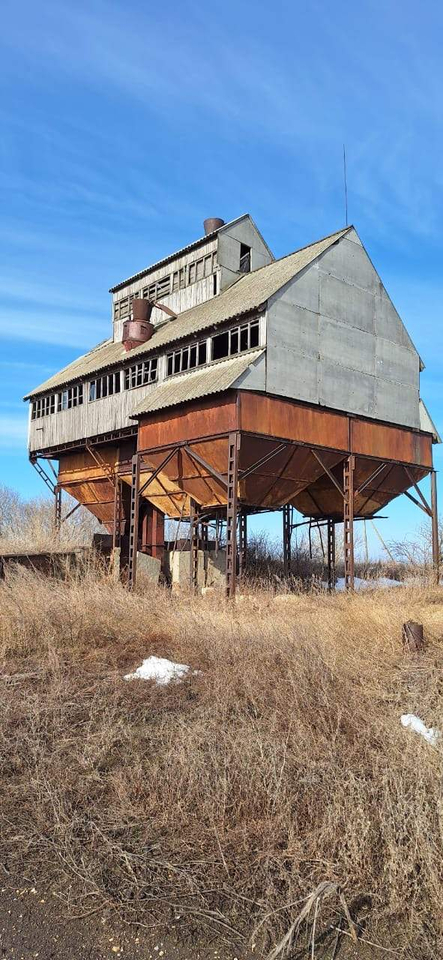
13	431
67	330
24	365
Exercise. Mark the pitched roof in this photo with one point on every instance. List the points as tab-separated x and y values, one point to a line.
179	253
199	383
248	293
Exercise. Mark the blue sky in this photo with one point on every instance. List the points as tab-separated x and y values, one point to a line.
125	124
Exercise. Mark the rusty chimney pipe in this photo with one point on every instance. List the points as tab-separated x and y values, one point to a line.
212	224
139	328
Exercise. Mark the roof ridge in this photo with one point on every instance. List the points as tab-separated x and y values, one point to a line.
299	250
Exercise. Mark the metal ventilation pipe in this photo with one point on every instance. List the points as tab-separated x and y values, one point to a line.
212	224
139	328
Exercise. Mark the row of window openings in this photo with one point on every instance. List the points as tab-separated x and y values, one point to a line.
177	280
71	397
236	340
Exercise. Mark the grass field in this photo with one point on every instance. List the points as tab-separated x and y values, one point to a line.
227	799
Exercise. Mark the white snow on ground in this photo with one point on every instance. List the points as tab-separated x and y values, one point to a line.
377	583
160	670
414	723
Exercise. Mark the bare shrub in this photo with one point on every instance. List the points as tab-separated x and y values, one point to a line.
29	524
227	799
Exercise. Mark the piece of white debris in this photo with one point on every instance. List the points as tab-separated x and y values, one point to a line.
160	670
430	734
376	583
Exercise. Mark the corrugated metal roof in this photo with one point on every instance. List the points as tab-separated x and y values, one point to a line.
247	293
199	383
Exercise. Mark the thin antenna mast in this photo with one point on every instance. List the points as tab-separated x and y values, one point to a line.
345	180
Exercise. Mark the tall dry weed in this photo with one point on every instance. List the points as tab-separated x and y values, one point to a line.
226	799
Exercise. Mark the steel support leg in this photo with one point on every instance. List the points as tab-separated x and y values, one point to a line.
348	518
331	555
242	542
193	551
231	515
57	509
133	522
116	529
287	531
435	531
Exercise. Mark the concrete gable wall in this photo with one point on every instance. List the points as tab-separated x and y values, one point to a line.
334	338
228	251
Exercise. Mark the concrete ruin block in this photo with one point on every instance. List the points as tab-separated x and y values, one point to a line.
148	567
210	570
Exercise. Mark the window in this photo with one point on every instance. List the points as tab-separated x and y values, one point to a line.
200	268
236	340
163	287
245	258
141	373
104	386
189	357
43	406
70	397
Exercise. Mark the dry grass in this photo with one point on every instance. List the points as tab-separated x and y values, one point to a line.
226	799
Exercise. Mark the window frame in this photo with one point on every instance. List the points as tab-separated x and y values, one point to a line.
140	374
175	358
100	386
69	397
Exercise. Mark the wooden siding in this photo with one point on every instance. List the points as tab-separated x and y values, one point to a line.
87	420
179	300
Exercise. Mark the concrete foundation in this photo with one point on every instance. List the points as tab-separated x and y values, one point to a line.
210	572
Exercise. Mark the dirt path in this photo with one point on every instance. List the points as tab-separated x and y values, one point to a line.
33	924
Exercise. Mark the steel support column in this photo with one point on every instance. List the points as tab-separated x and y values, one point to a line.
133	522
242	542
435	531
231	515
193	546
287	532
116	529
331	555
348	520
57	509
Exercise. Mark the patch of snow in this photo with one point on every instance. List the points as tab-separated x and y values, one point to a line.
160	670
377	583
430	734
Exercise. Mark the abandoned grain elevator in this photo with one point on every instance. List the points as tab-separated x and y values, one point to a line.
234	383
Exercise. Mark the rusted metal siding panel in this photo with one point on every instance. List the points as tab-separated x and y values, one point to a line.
391	443
201	418
287	419
325	428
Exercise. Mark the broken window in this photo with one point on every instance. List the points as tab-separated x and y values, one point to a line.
104	386
236	340
245	258
141	373
187	358
43	406
70	397
220	346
